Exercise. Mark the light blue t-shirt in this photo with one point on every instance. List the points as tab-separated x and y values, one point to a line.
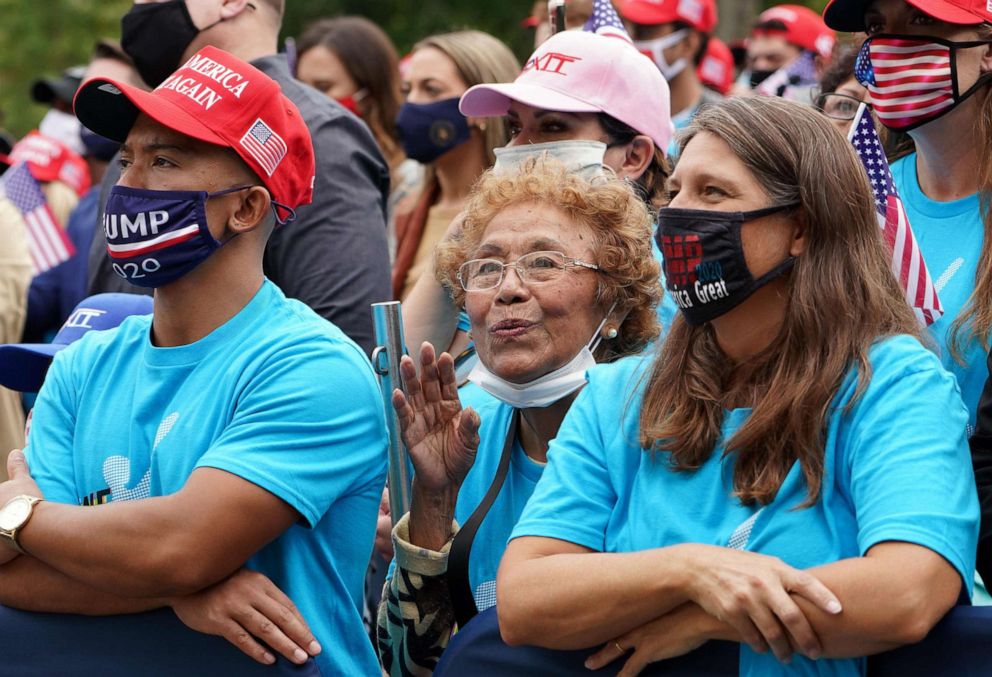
950	236
896	468
667	310
494	532
277	396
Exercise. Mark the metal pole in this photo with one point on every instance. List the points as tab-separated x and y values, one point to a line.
390	346
556	12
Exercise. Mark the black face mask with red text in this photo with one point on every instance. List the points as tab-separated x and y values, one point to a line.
704	265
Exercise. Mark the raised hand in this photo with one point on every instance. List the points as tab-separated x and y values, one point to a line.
441	437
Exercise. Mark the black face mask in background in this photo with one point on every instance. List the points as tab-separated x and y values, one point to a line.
703	258
156	36
757	77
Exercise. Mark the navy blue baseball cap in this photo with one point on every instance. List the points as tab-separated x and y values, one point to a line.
23	365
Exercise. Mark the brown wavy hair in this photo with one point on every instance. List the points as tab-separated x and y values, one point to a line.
621	225
842	299
974	322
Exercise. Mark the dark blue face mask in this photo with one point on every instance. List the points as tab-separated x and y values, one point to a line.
154	237
429	130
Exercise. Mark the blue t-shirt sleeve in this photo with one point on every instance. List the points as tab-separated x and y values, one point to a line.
575	497
907	454
53	422
309	428
463	322
667	309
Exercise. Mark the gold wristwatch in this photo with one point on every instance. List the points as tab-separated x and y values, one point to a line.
14	515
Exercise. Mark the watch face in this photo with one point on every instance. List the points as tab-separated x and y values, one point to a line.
13	514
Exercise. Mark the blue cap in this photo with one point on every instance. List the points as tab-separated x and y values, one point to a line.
23	365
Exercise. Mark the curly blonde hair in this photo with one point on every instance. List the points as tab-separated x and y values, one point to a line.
621	224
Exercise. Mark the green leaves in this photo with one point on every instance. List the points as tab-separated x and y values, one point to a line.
42	38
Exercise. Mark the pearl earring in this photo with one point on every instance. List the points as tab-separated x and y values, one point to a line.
612	333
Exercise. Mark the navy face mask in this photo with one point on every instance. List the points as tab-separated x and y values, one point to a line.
154	237
705	269
429	130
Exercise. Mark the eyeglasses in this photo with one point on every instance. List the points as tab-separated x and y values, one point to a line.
839	106
533	268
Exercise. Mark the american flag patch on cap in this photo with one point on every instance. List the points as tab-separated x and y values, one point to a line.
264	145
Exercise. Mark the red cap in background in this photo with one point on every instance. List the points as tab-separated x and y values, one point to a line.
697	14
803	28
716	70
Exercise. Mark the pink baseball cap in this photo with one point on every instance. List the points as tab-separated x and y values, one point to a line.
579	72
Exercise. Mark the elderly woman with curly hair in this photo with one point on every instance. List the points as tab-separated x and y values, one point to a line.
555	272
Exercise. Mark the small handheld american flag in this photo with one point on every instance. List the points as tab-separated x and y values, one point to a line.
907	260
47	242
606	21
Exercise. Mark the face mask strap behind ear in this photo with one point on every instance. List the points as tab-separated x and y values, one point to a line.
276	206
290	213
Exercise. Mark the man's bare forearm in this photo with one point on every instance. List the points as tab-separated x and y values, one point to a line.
31	585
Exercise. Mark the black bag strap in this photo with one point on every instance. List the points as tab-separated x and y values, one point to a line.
459	586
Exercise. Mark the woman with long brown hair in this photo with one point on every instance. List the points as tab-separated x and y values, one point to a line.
946	185
353	61
454	148
791	415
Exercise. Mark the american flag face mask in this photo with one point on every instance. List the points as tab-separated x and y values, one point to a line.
912	80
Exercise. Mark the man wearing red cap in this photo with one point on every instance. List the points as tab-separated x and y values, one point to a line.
335	257
176	449
674	34
782	35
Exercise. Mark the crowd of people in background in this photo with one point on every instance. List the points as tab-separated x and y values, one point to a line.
697	333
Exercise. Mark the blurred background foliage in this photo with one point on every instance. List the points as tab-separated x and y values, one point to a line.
42	37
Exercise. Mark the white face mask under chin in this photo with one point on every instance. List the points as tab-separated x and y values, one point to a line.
545	390
655	49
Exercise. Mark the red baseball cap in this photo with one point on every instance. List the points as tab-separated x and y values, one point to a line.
49	159
849	15
217	98
716	70
803	28
698	14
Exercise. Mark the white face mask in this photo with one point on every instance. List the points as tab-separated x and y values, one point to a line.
545	390
582	157
63	127
656	50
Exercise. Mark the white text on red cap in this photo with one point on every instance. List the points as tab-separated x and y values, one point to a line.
200	92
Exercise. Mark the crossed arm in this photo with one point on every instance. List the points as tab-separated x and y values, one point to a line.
650	602
184	551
